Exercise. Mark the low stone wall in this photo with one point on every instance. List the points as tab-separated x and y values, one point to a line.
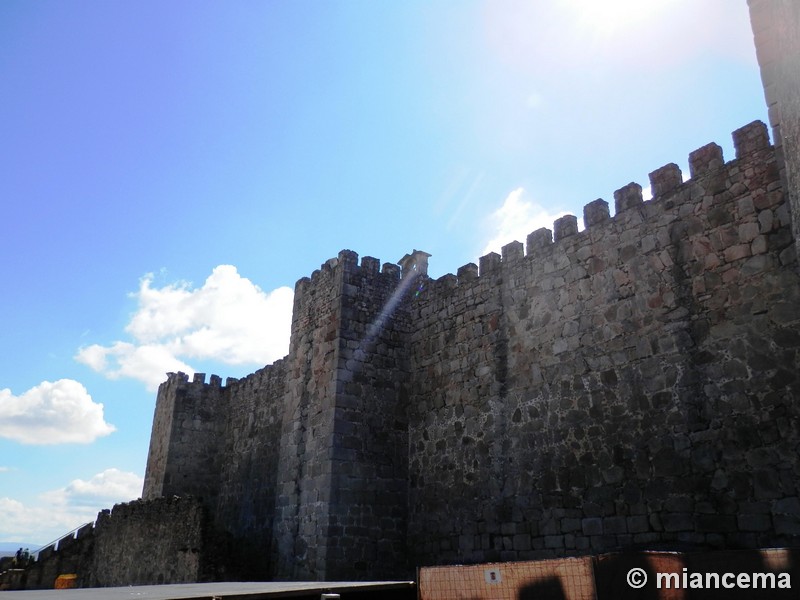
71	554
166	540
149	542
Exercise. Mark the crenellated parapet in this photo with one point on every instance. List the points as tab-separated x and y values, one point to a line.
347	262
342	459
556	386
710	175
183	456
523	406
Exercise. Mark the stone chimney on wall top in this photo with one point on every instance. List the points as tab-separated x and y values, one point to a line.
416	263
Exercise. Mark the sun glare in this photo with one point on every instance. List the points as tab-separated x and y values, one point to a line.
609	16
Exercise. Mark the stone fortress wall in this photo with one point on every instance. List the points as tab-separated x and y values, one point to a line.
776	29
164	540
631	385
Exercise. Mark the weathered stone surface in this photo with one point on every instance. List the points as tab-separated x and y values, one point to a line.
665	179
704	159
627	197
634	384
595	212
564	227
776	28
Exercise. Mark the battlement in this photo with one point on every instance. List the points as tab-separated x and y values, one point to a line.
565	242
518	369
181	379
667	187
133	543
633	384
347	260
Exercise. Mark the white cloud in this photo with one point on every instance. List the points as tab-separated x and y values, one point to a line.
31	524
59	511
148	363
52	413
101	491
228	319
515	219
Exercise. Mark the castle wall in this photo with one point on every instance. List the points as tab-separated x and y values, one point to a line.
632	384
151	542
341	506
776	28
369	460
160	441
72	554
164	540
184	456
249	470
304	470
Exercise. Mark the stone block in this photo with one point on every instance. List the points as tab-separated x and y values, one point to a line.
754	522
592	526
554	541
715	523
512	251
564	227
704	159
489	263
638	524
674	522
538	240
665	179
595	212
615	525
522	541
627	197
750	138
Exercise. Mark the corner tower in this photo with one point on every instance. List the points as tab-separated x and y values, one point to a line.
776	29
184	457
343	469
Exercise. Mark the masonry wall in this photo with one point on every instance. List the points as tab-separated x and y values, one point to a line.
72	554
151	542
340	511
632	384
165	540
184	456
776	28
303	496
369	460
248	480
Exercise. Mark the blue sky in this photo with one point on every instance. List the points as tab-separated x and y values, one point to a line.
169	170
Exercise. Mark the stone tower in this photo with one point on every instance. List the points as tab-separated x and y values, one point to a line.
305	462
632	385
776	28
